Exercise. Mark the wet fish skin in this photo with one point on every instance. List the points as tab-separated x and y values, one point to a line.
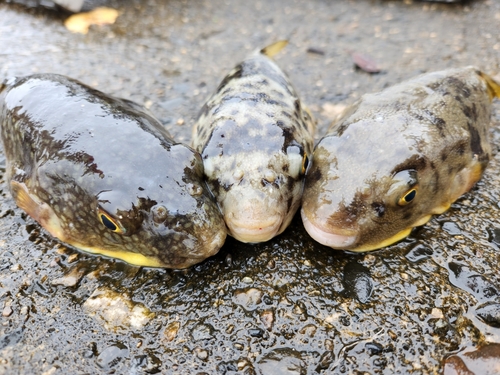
255	138
103	175
397	157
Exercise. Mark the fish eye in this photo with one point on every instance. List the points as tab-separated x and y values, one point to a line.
408	197
305	163
109	222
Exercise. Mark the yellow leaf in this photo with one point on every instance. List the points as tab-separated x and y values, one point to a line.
79	23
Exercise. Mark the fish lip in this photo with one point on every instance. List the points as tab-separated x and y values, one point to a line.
330	239
262	232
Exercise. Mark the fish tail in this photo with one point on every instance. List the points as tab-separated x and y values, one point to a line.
273	49
492	86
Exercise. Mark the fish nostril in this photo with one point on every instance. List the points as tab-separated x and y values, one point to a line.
379	208
160	213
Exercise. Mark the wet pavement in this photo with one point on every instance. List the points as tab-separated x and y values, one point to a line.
290	306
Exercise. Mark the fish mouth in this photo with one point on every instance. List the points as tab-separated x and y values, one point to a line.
336	238
253	231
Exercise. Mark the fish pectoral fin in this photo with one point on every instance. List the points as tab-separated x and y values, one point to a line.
38	210
273	49
24	200
463	181
461	184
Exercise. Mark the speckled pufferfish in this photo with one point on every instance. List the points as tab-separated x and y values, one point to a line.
102	175
397	157
255	139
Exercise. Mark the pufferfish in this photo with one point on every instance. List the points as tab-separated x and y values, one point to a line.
102	174
255	138
397	157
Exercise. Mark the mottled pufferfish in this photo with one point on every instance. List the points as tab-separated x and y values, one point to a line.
397	157
102	175
255	139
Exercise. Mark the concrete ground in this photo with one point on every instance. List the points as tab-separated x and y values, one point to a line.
289	306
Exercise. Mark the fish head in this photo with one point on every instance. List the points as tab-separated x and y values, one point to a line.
258	193
163	219
362	207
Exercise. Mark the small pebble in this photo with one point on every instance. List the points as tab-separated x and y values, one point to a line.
392	334
229	260
7	311
329	345
248	298
201	353
308	330
171	330
71	278
16	267
116	310
255	332
437	313
267	319
489	313
51	371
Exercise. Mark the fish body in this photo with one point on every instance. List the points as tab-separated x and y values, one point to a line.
255	138
397	157
102	175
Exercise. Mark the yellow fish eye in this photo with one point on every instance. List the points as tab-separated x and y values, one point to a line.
408	197
305	163
109	222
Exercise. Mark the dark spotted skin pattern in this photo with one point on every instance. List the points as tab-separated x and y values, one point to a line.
75	154
397	157
255	139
